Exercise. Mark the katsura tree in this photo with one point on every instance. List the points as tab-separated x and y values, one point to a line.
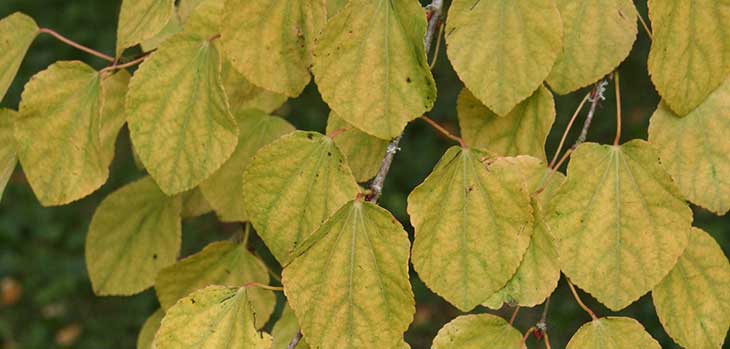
495	222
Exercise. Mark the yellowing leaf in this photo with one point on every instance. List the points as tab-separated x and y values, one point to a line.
146	335
134	233
619	222
598	35
8	157
244	95
292	186
212	318
371	68
693	302
205	19
140	20
612	333
173	27
478	332
220	263
348	283
521	132
59	133
223	189
17	32
285	329
503	49
273	48
178	114
690	53
695	149
113	117
364	152
472	224
194	204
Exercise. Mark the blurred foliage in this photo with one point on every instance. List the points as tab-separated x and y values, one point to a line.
46	299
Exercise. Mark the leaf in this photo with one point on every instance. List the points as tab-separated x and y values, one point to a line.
477	332
8	156
134	233
612	333
59	133
521	132
364	152
285	329
220	263
371	68
194	204
619	222
690	51
205	19
171	28
243	95
140	20
211	318
348	284
273	49
503	50
539	272
178	115
598	35
693	302
146	335
17	32
223	189
292	186
695	149
113	117
472	226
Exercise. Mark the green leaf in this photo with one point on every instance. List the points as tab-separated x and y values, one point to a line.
292	186
539	272
223	189
348	283
695	149
178	114
173	27
243	95
194	204
211	318
285	329
140	20
134	233
371	68
364	152
477	332
472	226
205	19
690	52
619	222
220	263
503	49
59	132
598	35
8	156
612	333
273	50
522	131
693	302
17	32
146	335
113	117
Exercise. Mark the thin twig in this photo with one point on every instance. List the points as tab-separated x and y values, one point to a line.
617	85
567	128
295	340
596	96
580	302
514	315
265	287
443	131
76	45
543	317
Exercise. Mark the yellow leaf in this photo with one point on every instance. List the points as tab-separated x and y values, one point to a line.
285	329
695	149
292	186
619	222
690	53
348	282
503	49
113	117
205	19
146	335
8	156
134	233
194	204
364	152
178	114
371	68
244	95
223	189
273	48
693	302
173	27
478	332
212	318
521	132
612	333
17	32
598	35
472	224
140	20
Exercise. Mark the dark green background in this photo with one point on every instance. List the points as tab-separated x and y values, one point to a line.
43	248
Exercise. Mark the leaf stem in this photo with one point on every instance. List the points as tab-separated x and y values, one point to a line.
567	128
76	45
443	131
265	287
644	25
580	302
527	335
125	65
338	132
514	314
617	85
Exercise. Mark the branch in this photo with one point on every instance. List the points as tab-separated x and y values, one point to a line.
295	340
596	96
76	45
